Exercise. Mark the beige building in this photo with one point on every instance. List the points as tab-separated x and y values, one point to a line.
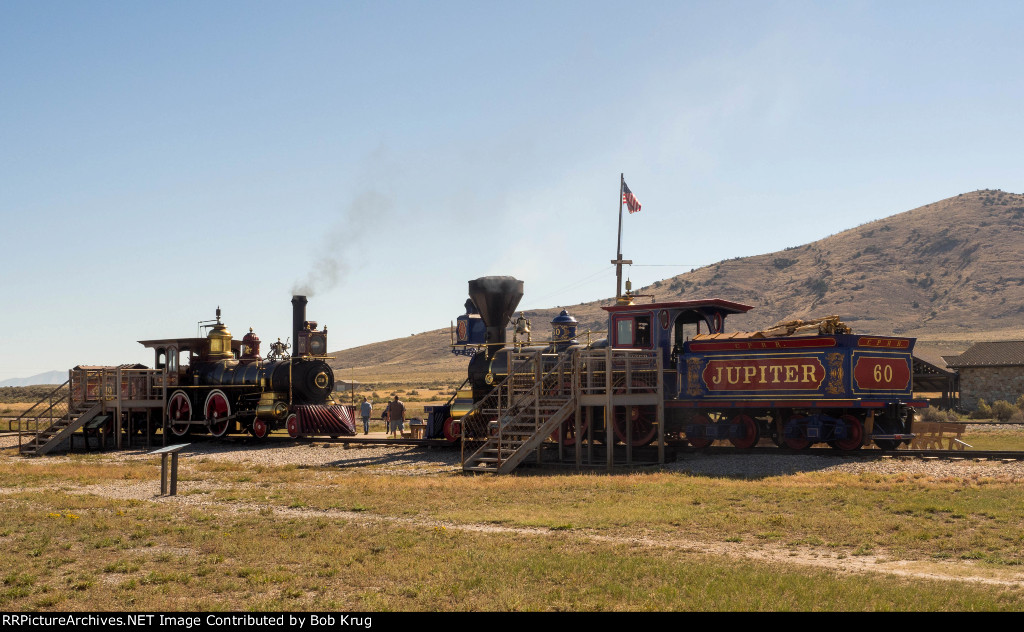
989	371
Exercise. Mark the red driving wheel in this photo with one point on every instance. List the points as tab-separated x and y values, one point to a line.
642	426
700	419
218	409
452	430
179	412
569	431
747	436
855	435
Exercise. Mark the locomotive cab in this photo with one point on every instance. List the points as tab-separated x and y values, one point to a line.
666	327
177	356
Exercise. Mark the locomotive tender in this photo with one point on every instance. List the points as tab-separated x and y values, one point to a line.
220	385
798	385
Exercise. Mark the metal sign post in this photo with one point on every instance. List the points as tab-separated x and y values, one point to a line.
169	475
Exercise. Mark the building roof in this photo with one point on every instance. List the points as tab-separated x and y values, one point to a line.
1004	353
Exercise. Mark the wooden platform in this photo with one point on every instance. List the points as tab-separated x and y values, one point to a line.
381	438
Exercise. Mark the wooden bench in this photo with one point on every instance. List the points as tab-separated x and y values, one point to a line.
930	435
92	428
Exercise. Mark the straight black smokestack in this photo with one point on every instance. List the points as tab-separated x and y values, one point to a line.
298	318
496	297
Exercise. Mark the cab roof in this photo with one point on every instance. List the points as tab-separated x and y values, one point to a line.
195	344
717	304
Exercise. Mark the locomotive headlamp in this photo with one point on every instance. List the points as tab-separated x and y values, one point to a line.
321	380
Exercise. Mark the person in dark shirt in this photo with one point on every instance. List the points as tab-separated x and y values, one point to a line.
396	416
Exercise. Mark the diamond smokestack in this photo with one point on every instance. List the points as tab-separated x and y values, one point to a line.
497	298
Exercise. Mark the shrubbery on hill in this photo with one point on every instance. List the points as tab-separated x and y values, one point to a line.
1003	410
982	410
935	414
1000	410
24	394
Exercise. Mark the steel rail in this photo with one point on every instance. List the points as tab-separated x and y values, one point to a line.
865	452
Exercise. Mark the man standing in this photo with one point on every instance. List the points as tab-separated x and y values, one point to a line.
365	411
396	416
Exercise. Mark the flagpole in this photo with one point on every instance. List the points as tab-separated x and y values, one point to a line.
618	261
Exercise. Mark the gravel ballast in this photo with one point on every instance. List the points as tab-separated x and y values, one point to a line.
413	461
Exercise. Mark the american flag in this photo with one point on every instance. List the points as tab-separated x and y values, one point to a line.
631	202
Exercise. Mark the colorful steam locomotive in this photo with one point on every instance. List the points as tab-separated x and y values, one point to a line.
797	384
219	385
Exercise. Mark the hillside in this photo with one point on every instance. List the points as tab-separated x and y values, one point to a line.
50	377
949	273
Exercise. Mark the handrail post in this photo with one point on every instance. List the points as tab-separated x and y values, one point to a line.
575	394
608	416
117	406
165	377
498	422
627	418
538	360
660	415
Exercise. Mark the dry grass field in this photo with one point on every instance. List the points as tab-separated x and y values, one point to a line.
322	527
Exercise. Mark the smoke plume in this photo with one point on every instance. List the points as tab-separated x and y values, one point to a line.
368	214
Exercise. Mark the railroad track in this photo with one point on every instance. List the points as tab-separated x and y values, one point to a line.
867	453
864	453
359	440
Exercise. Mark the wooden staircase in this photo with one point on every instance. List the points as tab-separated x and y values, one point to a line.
61	420
521	412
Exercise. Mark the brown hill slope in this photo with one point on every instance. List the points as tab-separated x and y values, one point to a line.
948	273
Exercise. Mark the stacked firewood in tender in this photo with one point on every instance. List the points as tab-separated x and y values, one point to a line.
823	326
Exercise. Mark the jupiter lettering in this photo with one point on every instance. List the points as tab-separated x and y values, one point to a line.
768	374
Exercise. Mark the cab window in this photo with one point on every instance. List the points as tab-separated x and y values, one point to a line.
633	332
685	331
624	332
643	331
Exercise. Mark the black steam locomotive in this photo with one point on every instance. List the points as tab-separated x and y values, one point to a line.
796	383
220	386
479	333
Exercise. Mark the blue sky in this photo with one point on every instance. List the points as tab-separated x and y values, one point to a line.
160	159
